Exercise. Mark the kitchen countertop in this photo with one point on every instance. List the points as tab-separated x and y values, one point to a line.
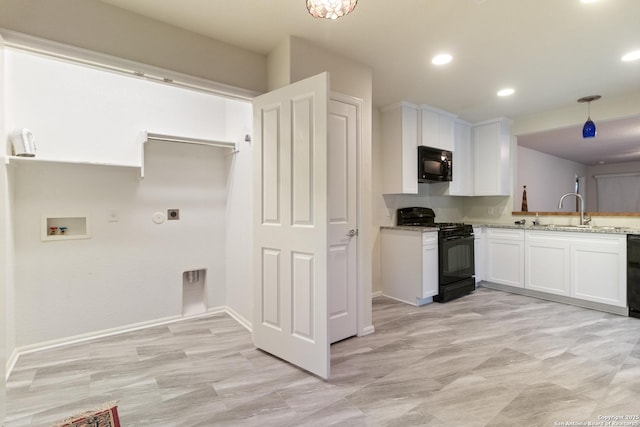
547	227
411	228
570	228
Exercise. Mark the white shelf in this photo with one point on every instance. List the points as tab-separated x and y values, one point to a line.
16	160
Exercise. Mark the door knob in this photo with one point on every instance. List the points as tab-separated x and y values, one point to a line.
352	232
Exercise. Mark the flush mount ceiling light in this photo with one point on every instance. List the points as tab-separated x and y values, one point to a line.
631	56
589	128
441	59
330	9
506	91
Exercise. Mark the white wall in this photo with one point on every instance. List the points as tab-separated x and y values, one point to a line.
547	178
5	246
239	249
129	271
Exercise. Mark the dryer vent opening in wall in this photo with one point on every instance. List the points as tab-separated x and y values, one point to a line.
194	292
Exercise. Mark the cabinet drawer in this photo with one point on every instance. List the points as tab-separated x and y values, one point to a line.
429	238
505	234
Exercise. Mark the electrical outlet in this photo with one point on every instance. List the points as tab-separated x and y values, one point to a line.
173	214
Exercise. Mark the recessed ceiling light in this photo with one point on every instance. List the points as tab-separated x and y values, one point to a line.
506	91
631	56
441	59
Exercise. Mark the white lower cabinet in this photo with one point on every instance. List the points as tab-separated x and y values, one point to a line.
585	266
479	253
409	265
598	269
505	256
547	262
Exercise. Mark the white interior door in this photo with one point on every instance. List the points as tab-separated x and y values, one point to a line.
343	226
290	224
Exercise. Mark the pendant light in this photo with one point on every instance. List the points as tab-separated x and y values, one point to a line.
589	128
330	9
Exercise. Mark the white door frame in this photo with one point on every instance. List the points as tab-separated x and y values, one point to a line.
364	219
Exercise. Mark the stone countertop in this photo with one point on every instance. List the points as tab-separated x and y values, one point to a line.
547	227
571	228
411	228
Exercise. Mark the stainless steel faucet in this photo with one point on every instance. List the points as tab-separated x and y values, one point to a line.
583	220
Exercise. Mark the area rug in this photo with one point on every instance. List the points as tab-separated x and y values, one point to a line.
103	416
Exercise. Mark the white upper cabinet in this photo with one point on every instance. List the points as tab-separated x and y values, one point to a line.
481	152
462	182
491	158
400	149
436	128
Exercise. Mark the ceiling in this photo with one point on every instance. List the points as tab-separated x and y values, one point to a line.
552	52
616	141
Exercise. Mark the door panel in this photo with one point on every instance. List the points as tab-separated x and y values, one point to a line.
342	204
290	224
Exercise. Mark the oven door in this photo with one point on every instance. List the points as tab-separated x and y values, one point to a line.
455	259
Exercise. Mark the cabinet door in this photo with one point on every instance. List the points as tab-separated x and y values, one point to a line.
462	184
429	264
505	257
491	159
547	263
598	270
401	264
479	253
437	129
400	149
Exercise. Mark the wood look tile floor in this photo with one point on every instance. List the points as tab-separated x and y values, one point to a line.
488	359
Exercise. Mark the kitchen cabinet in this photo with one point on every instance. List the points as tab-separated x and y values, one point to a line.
409	265
479	252
586	266
547	258
429	265
492	158
505	256
436	128
400	149
598	269
583	266
462	182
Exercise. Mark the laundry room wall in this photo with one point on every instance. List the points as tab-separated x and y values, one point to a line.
126	270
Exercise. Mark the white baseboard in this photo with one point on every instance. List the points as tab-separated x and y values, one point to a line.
11	363
367	330
32	348
376	294
240	319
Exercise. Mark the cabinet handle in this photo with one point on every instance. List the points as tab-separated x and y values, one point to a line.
352	232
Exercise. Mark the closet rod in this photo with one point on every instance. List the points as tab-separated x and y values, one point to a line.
195	141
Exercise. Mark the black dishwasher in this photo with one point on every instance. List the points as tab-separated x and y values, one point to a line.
633	274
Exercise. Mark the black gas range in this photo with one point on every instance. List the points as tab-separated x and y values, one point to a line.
456	268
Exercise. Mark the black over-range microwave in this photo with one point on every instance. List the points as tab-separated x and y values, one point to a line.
434	164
